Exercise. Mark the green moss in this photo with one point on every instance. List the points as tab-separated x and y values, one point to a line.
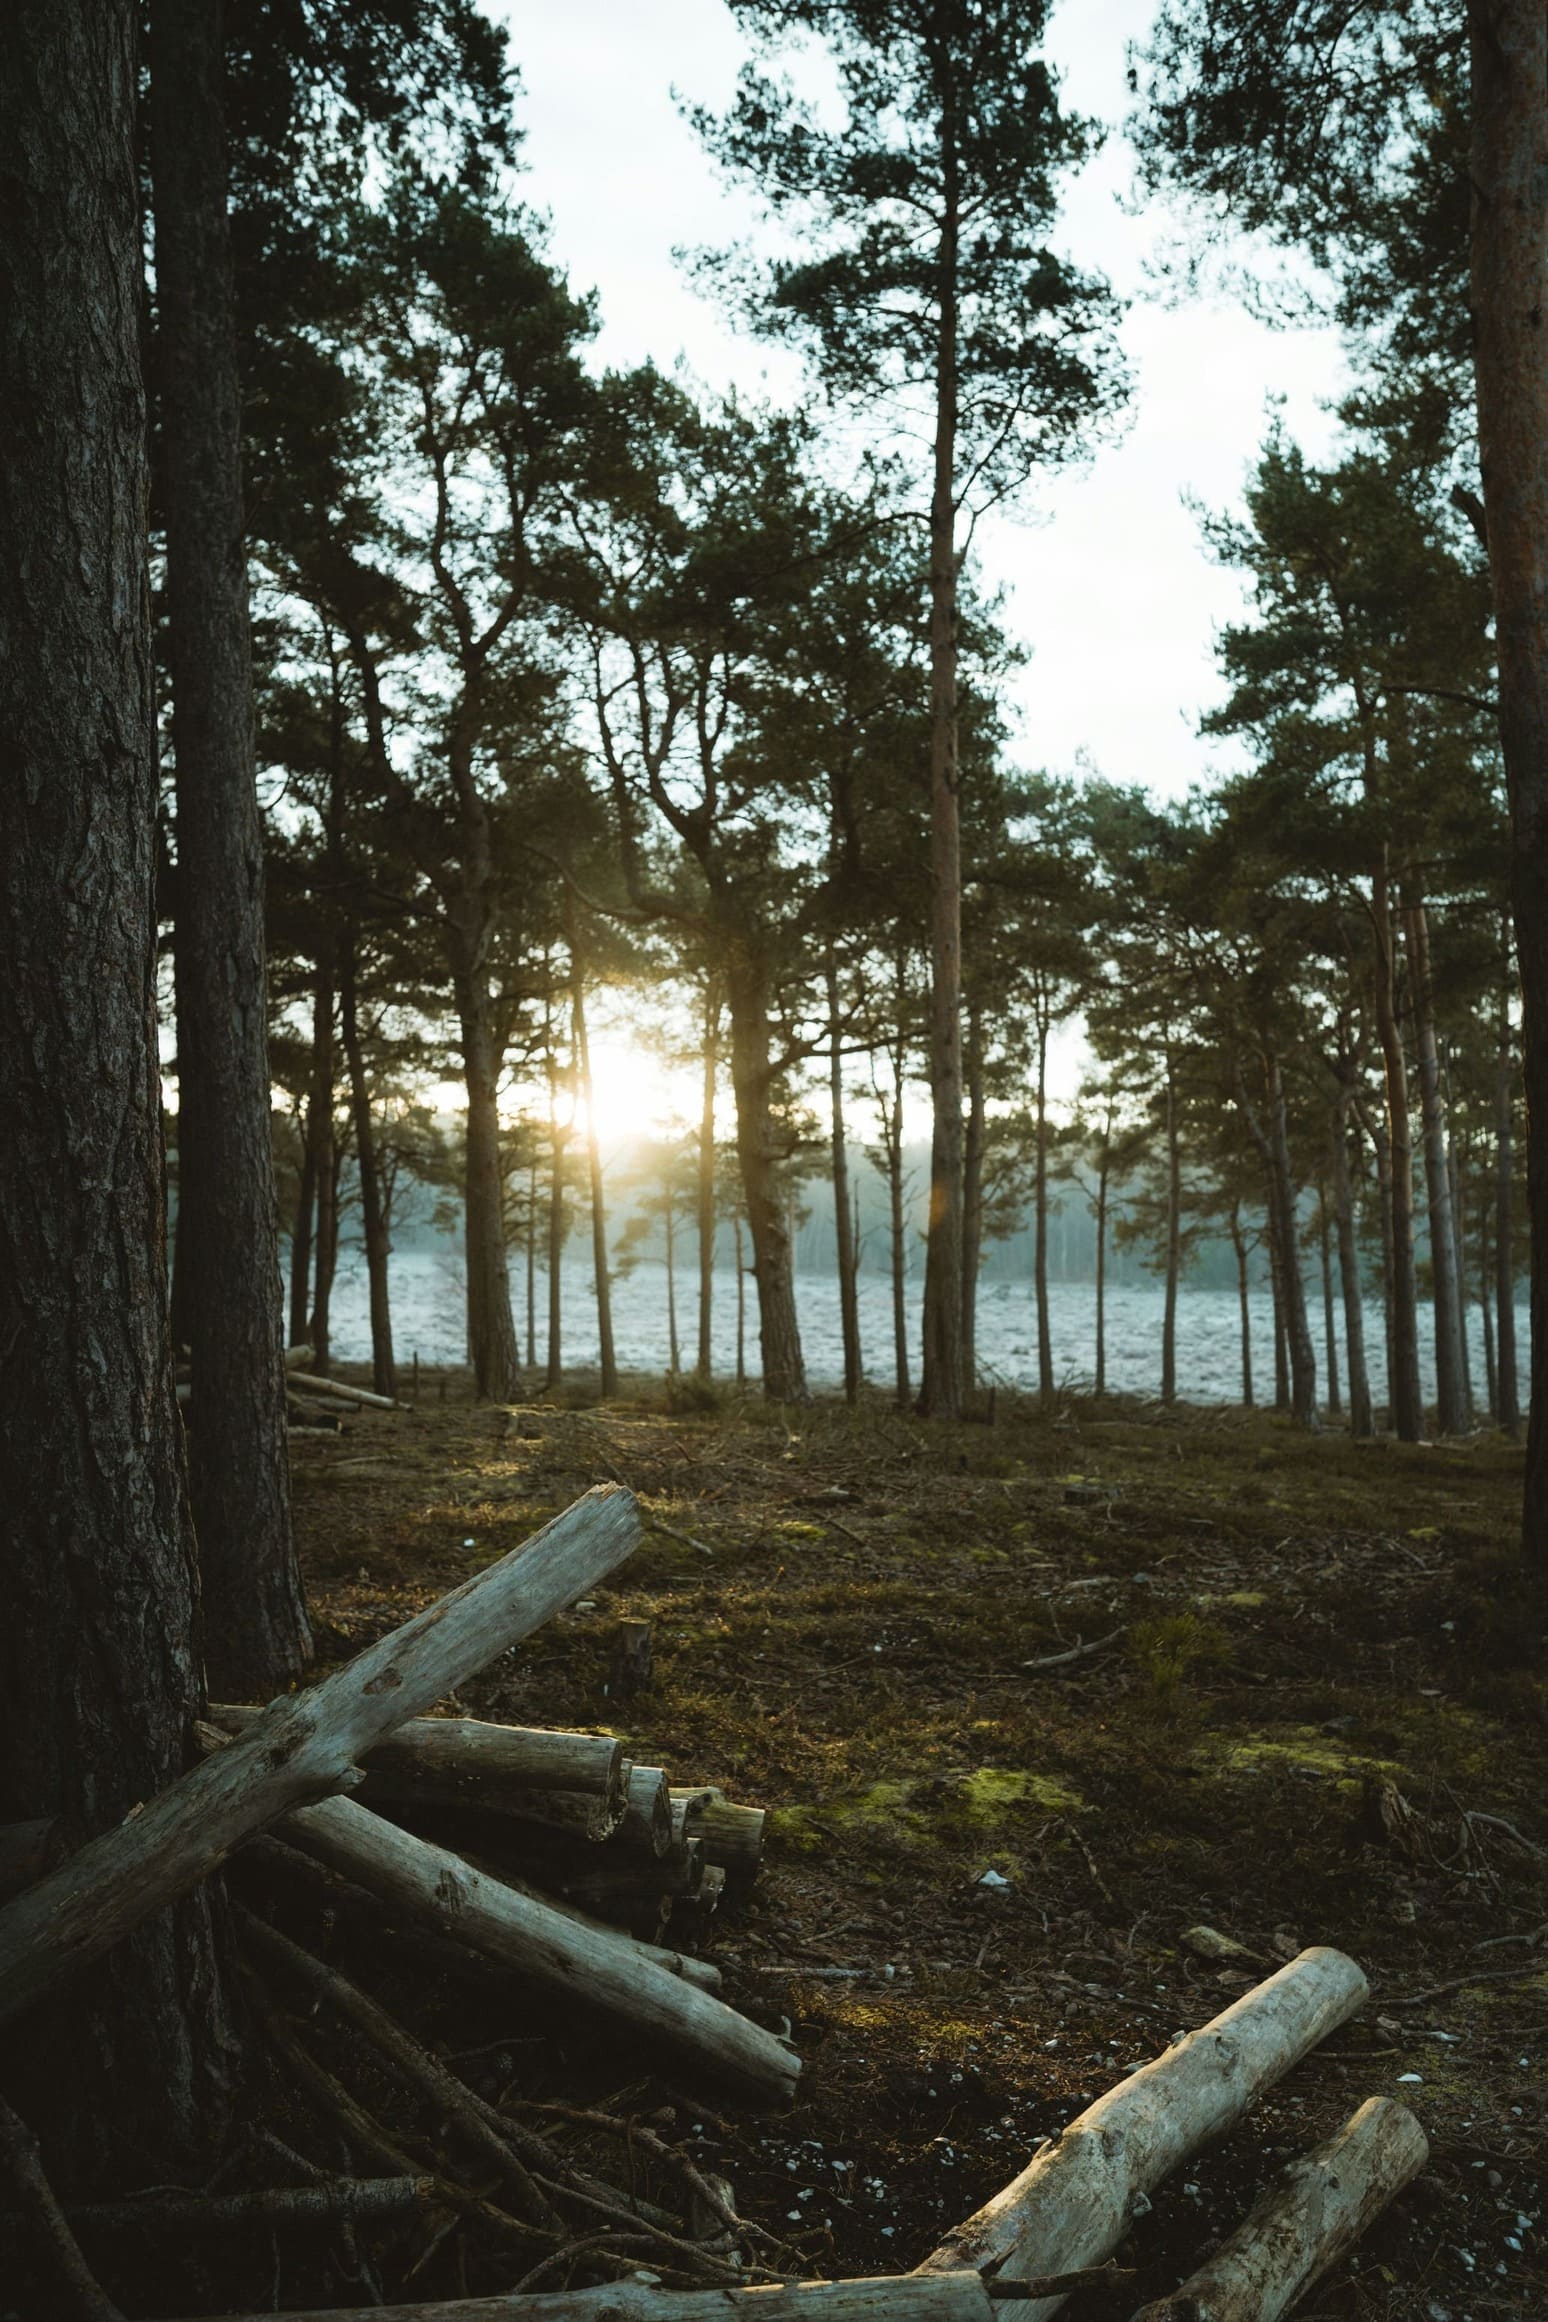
991	1791
1306	1745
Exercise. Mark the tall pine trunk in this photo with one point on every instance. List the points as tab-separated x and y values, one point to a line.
1243	1302
300	1237
100	1651
324	1157
1104	1178
1351	1287
558	1141
973	1194
1329	1333
531	1247
491	1326
757	1147
1509	251
1404	1392
256	1635
741	1298
943	1381
669	1214
849	1308
1173	1235
1045	1369
599	1257
1281	1331
373	1207
706	1179
1451	1400
1508	1406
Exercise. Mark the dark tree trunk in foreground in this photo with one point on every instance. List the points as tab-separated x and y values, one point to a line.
1104	1178
373	1210
99	1652
1509	43
1173	1239
256	1635
752	1077
844	1224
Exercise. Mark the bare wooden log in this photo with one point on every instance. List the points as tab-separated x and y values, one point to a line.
1072	2204
333	2201
1316	2209
732	1835
890	2298
340	1389
600	1885
586	1967
646	1826
303	1747
575	1782
80	2296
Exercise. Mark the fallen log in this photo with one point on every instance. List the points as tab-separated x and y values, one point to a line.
576	1782
1073	2203
731	1835
592	1968
1317	2208
891	2298
340	1388
303	1747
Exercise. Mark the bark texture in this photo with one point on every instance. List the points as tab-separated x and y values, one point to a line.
1509	251
256	1632
99	1658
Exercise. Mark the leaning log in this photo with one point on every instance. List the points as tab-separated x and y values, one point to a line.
1317	2208
588	1968
1073	2203
303	1747
892	2298
340	1389
574	1782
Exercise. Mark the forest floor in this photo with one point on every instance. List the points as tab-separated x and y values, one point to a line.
1324	1720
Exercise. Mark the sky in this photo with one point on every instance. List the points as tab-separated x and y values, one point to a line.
1107	581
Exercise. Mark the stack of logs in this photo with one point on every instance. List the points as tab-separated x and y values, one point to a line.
514	2185
565	1817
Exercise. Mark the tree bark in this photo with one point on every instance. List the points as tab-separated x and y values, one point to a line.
491	1325
1303	1357
300	1243
849	1305
943	1380
1403	1388
599	1256
1451	1401
1509	254
384	1377
669	1218
973	1142
706	1179
255	1618
752	1076
741	1298
100	1652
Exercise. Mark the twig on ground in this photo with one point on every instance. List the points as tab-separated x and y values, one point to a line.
1076	1652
